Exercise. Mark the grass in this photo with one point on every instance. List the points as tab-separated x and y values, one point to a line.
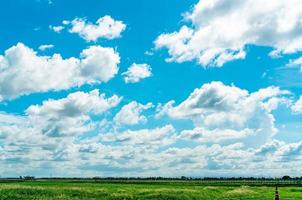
68	190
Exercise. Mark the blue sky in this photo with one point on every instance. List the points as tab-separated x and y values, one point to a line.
150	88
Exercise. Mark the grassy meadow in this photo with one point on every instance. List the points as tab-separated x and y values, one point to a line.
75	190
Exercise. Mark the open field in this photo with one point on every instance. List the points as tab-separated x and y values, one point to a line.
88	190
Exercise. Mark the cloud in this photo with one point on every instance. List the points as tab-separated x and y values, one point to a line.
69	136
56	29
221	30
23	71
147	152
297	106
137	72
105	27
217	135
159	136
269	148
223	112
70	115
295	63
75	104
131	113
47	133
279	151
45	46
21	142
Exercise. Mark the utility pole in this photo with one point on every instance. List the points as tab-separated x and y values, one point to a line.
276	194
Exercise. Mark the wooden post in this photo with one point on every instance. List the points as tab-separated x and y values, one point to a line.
276	194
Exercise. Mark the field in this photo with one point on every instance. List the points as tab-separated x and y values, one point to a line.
75	190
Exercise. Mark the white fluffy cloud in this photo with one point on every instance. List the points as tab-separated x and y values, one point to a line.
157	136
75	104
221	29
222	112
45	46
297	107
147	152
105	27
46	133
70	115
131	113
136	72
280	151
56	29
217	135
295	63
23	71
67	136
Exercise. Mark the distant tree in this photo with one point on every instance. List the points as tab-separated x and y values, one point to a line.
286	177
29	178
183	178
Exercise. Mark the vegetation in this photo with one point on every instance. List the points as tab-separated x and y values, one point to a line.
135	189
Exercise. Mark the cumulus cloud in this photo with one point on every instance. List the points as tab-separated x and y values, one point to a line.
137	72
279	151
295	63
221	30
45	46
23	71
75	104
217	135
131	113
297	106
220	111
67	136
56	29
158	136
47	132
20	141
70	115
147	152
105	27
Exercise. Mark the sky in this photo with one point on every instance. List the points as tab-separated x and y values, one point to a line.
150	88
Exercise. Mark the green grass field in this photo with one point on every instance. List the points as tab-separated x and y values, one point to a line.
64	190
